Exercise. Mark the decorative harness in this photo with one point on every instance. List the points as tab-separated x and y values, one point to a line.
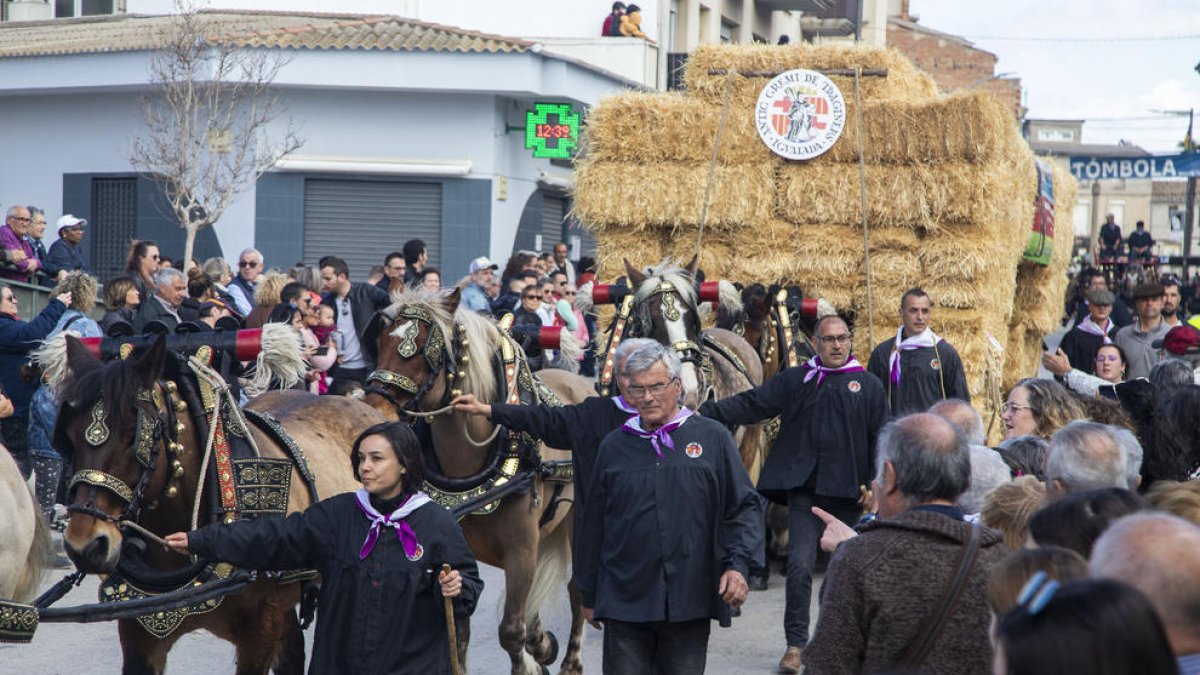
511	453
156	426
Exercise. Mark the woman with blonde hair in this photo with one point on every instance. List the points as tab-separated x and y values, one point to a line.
43	405
1011	506
266	296
1039	407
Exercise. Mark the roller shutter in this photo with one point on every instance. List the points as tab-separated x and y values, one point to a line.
362	221
554	214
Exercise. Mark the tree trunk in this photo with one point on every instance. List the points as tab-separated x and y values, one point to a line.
189	245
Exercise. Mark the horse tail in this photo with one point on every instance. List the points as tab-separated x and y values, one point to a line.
38	560
553	567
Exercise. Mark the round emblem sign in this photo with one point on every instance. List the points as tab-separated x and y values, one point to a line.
935	364
417	554
853	386
693	450
800	114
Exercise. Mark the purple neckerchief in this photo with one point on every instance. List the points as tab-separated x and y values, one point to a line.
623	405
819	371
408	539
926	338
660	435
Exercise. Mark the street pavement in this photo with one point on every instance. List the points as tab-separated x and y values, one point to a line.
753	645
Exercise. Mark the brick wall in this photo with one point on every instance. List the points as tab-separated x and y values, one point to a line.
953	63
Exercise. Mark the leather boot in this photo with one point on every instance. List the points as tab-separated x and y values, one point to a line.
790	663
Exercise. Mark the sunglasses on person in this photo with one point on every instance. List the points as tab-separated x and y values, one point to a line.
247	263
530	296
569	293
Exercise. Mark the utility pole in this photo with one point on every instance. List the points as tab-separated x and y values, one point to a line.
1190	214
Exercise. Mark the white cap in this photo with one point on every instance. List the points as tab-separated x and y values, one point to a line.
482	263
70	221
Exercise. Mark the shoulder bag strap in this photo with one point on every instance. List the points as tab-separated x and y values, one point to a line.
914	655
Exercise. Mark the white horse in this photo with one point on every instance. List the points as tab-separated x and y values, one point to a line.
25	549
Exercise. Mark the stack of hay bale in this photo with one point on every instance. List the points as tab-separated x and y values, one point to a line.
950	189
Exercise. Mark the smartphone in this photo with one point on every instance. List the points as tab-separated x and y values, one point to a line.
321	351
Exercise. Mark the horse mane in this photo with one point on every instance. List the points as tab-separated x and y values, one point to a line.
116	381
481	332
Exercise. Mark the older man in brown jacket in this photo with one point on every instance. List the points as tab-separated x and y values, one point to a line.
890	599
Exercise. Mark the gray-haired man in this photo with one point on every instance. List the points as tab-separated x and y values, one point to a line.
170	289
670	525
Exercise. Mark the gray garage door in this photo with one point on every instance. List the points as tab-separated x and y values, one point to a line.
362	221
554	213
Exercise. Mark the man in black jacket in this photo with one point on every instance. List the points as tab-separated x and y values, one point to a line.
831	412
670	525
918	368
1093	332
354	304
579	428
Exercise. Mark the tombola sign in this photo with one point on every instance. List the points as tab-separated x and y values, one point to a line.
800	114
551	130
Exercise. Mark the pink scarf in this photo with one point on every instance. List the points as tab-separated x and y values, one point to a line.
819	371
1092	328
660	435
408	539
926	338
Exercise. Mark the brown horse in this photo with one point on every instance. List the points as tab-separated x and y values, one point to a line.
138	454
772	321
716	362
429	349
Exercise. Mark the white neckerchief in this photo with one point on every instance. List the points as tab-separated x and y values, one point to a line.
926	338
1092	328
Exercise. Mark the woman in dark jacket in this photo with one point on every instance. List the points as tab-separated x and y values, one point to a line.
526	314
121	300
378	550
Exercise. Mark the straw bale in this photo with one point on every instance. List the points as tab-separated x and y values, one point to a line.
683	129
615	245
971	252
918	195
903	80
641	195
1015	358
962	127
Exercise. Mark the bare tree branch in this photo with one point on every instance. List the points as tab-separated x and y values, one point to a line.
208	118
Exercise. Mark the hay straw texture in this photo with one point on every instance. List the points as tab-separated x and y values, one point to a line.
920	195
671	127
961	127
639	195
903	80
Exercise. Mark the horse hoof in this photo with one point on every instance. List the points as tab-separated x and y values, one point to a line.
553	655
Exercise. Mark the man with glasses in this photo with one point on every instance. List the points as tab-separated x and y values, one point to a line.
395	269
241	289
24	264
831	412
917	367
669	527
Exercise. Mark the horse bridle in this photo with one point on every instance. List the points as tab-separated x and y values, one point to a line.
688	351
153	432
438	354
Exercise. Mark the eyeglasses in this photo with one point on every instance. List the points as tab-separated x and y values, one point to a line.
154	257
654	390
1037	593
835	339
1013	407
19	219
532	297
1107	357
9	298
246	263
568	292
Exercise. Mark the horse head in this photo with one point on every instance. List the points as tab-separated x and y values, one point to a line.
428	350
117	421
665	310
